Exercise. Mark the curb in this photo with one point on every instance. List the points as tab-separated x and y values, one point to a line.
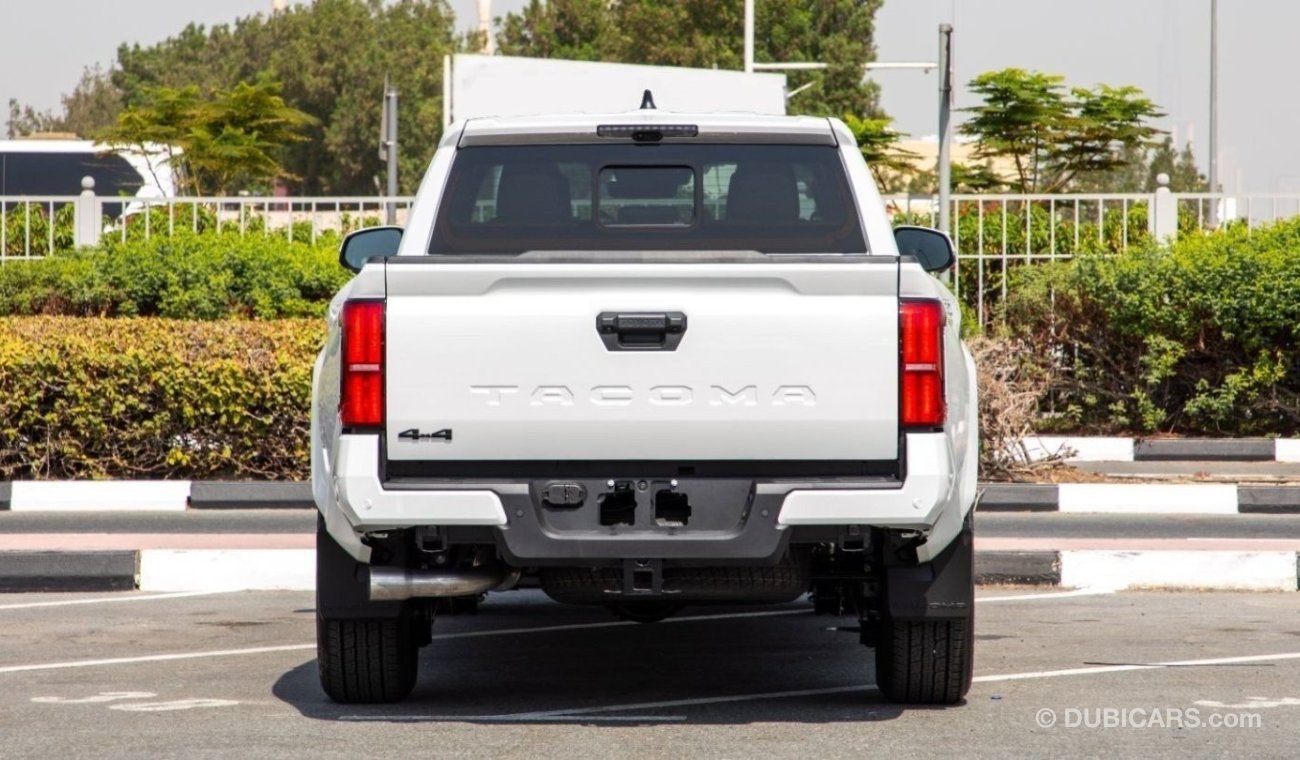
1106	449
1141	498
173	570
68	570
231	495
1112	498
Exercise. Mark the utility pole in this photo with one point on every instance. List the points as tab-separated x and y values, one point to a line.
749	36
388	148
1214	112
945	125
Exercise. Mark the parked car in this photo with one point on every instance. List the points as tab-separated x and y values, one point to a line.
646	360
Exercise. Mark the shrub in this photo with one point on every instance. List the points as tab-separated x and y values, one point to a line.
1198	337
187	276
155	398
26	228
1011	384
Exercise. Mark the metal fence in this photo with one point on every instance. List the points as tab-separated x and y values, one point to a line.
994	233
997	233
33	227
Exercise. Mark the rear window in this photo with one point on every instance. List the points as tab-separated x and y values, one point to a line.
630	197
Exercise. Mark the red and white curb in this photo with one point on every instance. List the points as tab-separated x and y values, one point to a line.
1140	498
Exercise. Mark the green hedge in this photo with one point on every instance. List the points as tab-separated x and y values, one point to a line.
1199	337
202	275
155	398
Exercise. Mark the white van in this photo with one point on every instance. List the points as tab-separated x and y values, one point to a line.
55	167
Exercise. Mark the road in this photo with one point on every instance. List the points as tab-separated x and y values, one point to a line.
234	674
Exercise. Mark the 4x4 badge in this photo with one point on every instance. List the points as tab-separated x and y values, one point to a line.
414	434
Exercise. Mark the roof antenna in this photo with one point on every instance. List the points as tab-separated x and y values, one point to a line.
648	101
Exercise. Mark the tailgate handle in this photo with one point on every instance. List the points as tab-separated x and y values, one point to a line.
641	331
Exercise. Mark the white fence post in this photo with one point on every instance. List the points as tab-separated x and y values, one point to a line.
89	217
1164	212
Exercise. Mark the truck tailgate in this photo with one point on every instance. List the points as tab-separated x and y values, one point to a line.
775	361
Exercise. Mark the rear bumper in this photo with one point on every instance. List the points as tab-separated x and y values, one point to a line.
776	510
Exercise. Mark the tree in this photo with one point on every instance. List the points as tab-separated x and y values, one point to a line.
708	34
92	105
1142	164
576	30
331	57
1180	165
25	120
1052	135
219	144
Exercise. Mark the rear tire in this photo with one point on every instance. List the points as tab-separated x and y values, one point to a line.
925	663
367	660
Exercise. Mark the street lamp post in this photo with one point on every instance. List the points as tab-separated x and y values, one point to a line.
1214	112
945	126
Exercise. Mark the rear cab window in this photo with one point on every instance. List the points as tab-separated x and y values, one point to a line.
778	198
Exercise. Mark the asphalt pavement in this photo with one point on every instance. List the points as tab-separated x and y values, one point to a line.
1057	673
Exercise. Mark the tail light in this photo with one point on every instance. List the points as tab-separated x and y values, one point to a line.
920	338
361	399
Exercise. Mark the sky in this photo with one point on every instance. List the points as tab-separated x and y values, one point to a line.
1161	46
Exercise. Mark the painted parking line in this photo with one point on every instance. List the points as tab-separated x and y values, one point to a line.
1120	668
1049	595
153	658
109	600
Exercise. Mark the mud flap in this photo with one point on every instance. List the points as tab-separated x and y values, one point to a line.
942	589
343	584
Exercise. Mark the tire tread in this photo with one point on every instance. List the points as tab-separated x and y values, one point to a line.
364	661
926	662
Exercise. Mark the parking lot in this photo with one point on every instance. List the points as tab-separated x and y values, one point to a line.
234	673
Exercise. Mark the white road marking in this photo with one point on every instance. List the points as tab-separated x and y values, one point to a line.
1252	702
173	705
153	658
1052	595
102	697
107	599
1118	668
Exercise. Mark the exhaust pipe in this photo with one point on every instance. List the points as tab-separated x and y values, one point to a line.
397	583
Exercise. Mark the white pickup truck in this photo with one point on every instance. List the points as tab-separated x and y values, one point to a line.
645	360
